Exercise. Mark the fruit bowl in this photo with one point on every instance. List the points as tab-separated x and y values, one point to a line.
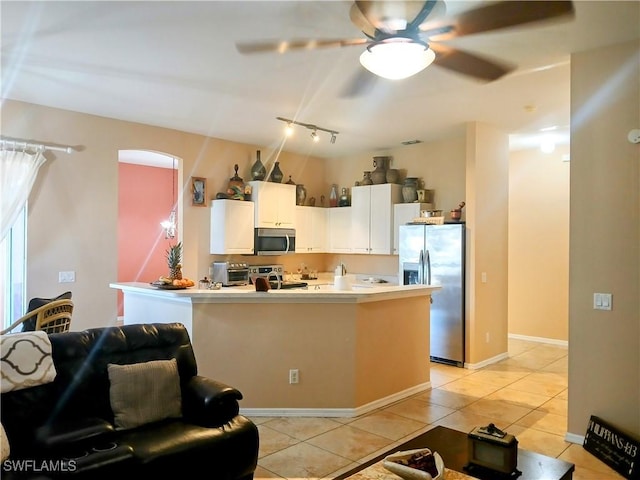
399	462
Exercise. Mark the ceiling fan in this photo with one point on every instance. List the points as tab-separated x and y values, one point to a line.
403	37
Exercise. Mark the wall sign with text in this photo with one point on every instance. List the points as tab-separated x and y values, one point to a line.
615	448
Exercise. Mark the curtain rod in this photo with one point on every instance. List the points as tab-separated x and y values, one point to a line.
15	143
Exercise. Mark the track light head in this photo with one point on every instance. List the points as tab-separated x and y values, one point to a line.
289	129
314	136
333	138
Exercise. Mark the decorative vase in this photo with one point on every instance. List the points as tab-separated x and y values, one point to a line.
379	175
333	196
290	182
344	199
258	171
301	194
366	180
276	174
393	175
409	189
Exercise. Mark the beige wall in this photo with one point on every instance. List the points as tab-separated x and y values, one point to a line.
487	196
539	244
439	164
604	346
72	216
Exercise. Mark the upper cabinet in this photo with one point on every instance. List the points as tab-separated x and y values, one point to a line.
311	228
275	204
404	213
372	218
231	227
339	230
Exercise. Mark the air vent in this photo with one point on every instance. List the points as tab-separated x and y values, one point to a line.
411	142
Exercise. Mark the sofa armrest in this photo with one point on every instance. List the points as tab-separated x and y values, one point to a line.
208	402
66	434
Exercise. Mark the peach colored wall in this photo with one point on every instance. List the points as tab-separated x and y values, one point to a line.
604	346
341	350
144	200
539	244
487	242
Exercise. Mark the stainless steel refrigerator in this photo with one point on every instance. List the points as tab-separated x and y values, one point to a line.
435	255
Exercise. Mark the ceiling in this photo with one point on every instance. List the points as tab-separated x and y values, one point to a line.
175	65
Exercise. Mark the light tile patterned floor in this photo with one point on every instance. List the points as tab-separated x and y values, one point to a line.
525	394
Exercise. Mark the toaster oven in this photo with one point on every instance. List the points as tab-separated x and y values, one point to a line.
229	274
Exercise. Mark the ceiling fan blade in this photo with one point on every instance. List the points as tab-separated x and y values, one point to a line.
360	84
469	64
389	16
282	46
500	15
361	22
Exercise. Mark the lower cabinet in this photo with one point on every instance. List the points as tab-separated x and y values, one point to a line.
232	223
311	229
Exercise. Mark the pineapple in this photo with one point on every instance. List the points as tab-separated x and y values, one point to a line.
174	257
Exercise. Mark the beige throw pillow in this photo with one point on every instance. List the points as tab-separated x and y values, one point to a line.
5	450
144	392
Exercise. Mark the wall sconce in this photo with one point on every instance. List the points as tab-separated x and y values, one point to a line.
314	129
169	225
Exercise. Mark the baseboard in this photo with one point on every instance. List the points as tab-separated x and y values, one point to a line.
574	438
488	361
335	412
528	338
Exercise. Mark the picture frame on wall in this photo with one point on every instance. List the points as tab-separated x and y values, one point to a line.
198	192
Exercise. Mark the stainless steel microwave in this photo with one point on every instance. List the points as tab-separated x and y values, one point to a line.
274	241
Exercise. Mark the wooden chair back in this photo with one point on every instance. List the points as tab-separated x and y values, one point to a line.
53	317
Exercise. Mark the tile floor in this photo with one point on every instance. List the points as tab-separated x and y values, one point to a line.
525	394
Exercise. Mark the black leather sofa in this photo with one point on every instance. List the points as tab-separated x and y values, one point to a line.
67	426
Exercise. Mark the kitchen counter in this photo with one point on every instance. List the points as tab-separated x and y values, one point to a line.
354	350
316	291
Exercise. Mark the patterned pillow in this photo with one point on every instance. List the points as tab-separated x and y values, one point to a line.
26	360
144	392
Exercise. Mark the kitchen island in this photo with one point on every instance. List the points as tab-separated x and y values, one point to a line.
354	350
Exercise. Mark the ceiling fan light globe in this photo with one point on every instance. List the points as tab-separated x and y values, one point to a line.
397	60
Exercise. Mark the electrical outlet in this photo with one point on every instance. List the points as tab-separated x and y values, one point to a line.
294	376
487	337
66	277
483	277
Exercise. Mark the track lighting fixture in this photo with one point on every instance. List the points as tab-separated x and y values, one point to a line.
314	129
289	129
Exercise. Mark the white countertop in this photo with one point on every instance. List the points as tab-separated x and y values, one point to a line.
316	292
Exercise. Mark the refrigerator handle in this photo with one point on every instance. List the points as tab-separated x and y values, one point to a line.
421	268
428	268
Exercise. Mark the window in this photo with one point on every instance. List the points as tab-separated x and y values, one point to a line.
13	267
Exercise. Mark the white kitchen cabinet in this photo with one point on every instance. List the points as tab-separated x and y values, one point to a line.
403	213
232	223
275	204
311	229
372	217
339	230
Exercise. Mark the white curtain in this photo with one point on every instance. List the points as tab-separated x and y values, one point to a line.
18	171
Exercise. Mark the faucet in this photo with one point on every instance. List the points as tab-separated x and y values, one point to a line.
279	282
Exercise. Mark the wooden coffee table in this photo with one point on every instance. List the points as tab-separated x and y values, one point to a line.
452	446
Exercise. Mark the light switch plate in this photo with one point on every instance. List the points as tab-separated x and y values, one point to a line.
602	301
66	277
